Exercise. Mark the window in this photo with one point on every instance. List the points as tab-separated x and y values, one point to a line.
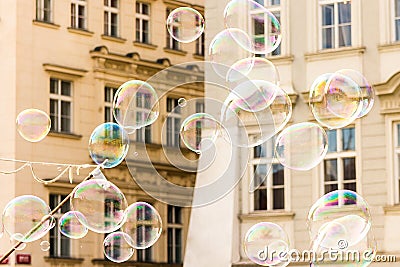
143	255
262	30
78	14
173	122
335	23
270	195
111	17
174	234
109	93
200	45
142	22
171	42
61	105
397	162
340	161
143	108
397	19
199	109
44	10
60	245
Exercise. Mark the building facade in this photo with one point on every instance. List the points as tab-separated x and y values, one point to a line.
68	58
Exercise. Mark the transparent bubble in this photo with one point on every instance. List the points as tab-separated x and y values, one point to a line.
224	51
108	142
198	127
301	146
367	92
33	125
335	100
1	226
185	24
16	238
23	216
45	245
116	247
182	102
101	203
259	18
264	242
143	225
135	105
70	225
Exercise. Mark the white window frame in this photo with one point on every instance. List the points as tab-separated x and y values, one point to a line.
40	11
143	252
108	106
175	225
75	4
171	41
140	17
57	216
59	98
335	23
393	20
141	111
174	117
200	45
396	165
112	10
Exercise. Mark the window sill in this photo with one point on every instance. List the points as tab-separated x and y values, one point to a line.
395	46
145	45
80	31
281	60
103	262
262	215
65	260
65	135
46	24
199	57
113	38
392	210
175	52
334	53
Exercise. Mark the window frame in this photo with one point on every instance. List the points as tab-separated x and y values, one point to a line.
111	10
139	16
108	105
59	236
173	116
393	21
59	98
75	21
146	255
40	11
396	163
174	226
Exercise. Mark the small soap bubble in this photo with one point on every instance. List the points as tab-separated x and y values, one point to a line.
96	198
185	24
110	142
33	125
301	146
45	245
116	247
182	102
70	225
142	224
15	238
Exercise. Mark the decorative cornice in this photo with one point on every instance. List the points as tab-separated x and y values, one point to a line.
260	216
334	53
64	70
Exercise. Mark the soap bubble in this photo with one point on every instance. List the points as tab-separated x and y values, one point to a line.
108	142
101	203
267	35
45	245
301	146
335	100
116	247
16	238
265	242
143	225
224	51
182	102
70	225
22	218
33	125
185	24
198	127
135	105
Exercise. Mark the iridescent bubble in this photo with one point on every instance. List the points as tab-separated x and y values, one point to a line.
265	242
45	245
198	127
70	225
335	100
301	146
110	142
143	225
22	218
224	51
259	18
182	102
33	125
16	238
116	247
367	92
101	203
185	24
135	105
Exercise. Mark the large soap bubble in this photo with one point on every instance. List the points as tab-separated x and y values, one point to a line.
185	24
33	125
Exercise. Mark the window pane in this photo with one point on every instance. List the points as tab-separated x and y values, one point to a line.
178	246
114	3
348	139
53	86
349	168
260	199
170	246
330	168
65	88
327	38
258	24
278	174
170	215
398	134
327	15
275	2
350	186
260	174
259	151
114	24
106	23
330	187
397	8
65	108
344	36
278	198
145	9
178	215
344	12
332	140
